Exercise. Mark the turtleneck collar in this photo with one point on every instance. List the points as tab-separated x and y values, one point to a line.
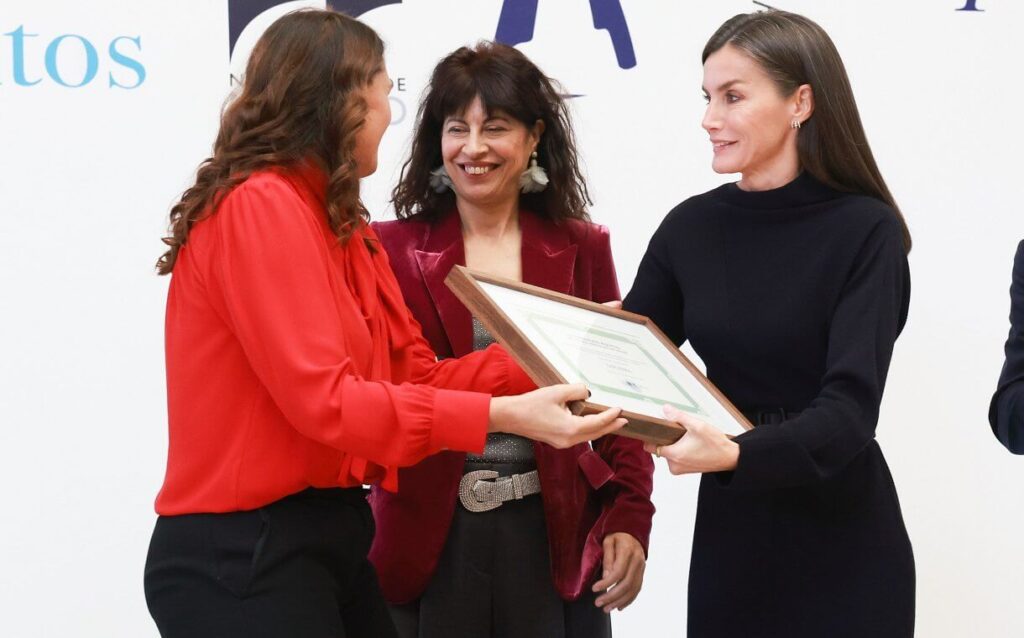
804	190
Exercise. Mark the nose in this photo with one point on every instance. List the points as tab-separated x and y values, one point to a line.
475	144
711	121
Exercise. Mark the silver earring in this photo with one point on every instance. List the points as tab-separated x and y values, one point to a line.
439	179
794	124
535	178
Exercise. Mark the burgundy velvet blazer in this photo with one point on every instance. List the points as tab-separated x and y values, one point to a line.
588	492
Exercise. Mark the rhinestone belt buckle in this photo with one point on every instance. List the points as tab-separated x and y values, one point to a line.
478	491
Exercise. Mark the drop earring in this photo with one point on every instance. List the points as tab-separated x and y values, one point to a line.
535	178
439	179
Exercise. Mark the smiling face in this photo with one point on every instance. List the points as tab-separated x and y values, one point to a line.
485	153
378	117
750	122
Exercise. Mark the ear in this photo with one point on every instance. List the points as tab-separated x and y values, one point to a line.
536	131
803	102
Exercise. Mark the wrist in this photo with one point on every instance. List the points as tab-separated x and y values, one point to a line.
501	416
732	455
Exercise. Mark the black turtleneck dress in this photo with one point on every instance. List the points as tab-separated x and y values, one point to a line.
793	298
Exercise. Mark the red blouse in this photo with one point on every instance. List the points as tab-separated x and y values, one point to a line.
292	360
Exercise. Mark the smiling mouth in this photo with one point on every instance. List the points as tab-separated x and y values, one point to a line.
720	145
477	170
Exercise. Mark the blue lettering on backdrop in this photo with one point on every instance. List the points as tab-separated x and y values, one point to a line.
519	17
18	50
56	50
92	61
127	62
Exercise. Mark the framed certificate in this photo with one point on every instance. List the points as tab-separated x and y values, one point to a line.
623	358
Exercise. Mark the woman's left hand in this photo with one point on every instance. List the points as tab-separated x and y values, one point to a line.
703	448
623	572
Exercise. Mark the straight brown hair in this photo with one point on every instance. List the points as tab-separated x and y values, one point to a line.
831	144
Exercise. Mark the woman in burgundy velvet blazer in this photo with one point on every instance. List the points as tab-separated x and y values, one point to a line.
484	208
588	493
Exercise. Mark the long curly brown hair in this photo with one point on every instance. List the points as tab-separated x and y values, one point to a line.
300	100
505	80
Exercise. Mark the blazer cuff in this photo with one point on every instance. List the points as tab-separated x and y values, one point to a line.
636	524
460	421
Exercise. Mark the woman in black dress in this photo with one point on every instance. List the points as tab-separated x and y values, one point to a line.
792	285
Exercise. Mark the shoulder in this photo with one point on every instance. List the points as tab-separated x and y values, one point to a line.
266	183
264	197
398	235
691	212
865	219
265	203
585	233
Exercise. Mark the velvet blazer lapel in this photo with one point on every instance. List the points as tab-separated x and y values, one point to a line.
548	259
442	249
548	254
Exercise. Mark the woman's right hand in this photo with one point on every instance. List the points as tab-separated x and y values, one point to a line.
542	415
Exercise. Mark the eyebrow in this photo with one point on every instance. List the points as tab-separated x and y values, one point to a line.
492	118
726	85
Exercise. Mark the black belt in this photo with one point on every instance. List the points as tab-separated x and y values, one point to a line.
769	416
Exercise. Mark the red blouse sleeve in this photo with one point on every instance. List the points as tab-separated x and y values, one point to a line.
272	273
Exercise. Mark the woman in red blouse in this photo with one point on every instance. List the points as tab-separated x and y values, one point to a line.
295	373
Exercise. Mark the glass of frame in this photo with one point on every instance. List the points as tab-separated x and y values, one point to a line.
623	358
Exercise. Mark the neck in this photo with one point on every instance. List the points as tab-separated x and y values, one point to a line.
491	222
776	175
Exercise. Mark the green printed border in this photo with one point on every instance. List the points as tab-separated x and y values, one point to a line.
692	409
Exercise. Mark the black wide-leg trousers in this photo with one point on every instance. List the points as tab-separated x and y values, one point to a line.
296	567
493	579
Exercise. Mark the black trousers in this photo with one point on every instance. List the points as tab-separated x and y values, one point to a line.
493	579
296	567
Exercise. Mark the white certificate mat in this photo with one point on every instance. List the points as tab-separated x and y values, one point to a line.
623	363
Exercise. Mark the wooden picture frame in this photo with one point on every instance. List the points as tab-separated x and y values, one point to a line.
539	359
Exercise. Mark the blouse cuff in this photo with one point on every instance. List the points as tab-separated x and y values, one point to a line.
460	421
518	382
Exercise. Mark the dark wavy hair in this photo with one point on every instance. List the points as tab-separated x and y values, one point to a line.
506	81
299	101
831	144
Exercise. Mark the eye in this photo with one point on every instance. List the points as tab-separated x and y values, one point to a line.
706	98
496	129
455	130
732	97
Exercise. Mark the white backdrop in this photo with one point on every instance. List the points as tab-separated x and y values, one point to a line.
87	175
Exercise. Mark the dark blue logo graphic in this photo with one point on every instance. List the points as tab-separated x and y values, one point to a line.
130	73
242	12
970	5
519	17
